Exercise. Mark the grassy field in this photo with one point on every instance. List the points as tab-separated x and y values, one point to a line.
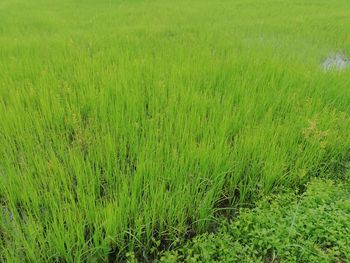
128	126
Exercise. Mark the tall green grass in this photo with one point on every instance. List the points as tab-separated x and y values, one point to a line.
126	125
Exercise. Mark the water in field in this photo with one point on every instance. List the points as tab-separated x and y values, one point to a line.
336	61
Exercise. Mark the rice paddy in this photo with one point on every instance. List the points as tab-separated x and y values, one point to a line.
128	126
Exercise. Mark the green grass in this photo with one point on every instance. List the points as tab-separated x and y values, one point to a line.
128	123
314	227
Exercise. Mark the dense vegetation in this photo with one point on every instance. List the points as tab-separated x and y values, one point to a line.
130	125
313	227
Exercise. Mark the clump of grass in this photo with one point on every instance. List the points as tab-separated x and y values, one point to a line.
128	123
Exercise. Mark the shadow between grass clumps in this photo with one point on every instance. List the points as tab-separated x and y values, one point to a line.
161	241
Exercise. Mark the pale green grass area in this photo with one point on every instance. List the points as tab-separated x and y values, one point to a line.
126	123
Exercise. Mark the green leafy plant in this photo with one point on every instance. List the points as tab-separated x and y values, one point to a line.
313	227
